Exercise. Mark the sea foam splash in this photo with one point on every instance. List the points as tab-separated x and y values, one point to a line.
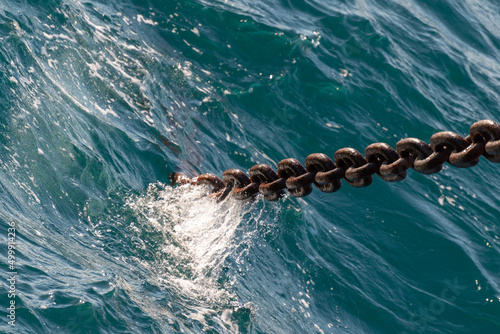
201	240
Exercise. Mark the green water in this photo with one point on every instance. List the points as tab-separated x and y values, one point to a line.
101	100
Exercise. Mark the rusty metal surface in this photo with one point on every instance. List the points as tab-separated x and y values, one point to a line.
354	168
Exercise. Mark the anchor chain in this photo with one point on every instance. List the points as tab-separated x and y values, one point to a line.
389	164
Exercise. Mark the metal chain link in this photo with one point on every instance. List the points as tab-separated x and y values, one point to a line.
357	170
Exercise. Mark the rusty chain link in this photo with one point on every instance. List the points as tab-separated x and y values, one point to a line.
357	170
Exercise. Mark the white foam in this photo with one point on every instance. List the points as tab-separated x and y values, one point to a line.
199	235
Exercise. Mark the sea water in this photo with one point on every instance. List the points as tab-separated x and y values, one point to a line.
100	100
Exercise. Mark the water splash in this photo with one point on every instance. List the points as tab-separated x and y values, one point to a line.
200	240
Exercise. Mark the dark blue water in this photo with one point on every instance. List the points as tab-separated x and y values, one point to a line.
100	100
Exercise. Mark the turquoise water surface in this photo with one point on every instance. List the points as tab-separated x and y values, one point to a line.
100	100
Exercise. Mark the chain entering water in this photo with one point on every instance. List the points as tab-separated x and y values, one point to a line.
357	170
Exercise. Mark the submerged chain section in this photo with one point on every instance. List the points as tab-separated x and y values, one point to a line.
354	168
